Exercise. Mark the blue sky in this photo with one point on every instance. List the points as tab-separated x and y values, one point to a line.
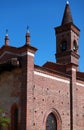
41	16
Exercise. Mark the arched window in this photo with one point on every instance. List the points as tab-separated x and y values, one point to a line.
14	117
75	46
63	46
51	123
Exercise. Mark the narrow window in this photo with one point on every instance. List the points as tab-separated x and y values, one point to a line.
75	47
14	117
51	123
63	46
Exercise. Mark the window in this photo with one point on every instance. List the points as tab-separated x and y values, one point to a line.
15	119
51	123
75	47
63	46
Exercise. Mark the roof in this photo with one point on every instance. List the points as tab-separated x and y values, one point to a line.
52	69
67	17
80	75
55	67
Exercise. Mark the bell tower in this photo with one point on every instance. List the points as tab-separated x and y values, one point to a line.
67	36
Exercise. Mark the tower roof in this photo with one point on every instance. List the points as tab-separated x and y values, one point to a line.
67	17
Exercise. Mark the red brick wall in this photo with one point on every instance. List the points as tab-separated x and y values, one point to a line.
10	84
51	95
37	93
27	92
80	106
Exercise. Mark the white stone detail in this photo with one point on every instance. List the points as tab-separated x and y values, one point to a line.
22	54
31	54
69	69
51	77
80	84
27	53
73	69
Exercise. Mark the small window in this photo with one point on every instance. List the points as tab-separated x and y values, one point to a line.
63	46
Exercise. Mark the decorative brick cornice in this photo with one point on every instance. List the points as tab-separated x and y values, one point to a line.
66	53
51	77
67	27
7	52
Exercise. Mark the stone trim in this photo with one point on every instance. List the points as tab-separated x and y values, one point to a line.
11	53
51	77
80	84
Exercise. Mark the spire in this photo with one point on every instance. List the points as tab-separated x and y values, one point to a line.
6	38
67	17
27	36
28	29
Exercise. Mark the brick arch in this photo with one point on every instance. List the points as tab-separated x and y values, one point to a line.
57	116
14	110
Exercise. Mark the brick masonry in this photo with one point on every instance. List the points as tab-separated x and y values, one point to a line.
30	93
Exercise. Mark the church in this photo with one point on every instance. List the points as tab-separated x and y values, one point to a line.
48	97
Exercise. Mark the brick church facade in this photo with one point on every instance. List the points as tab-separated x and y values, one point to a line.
48	97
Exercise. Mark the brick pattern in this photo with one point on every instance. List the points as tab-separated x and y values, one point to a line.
51	90
49	95
79	107
10	86
37	96
68	33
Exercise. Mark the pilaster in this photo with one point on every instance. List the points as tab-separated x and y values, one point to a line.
72	69
27	87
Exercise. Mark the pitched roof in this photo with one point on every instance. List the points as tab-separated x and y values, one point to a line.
80	76
55	67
